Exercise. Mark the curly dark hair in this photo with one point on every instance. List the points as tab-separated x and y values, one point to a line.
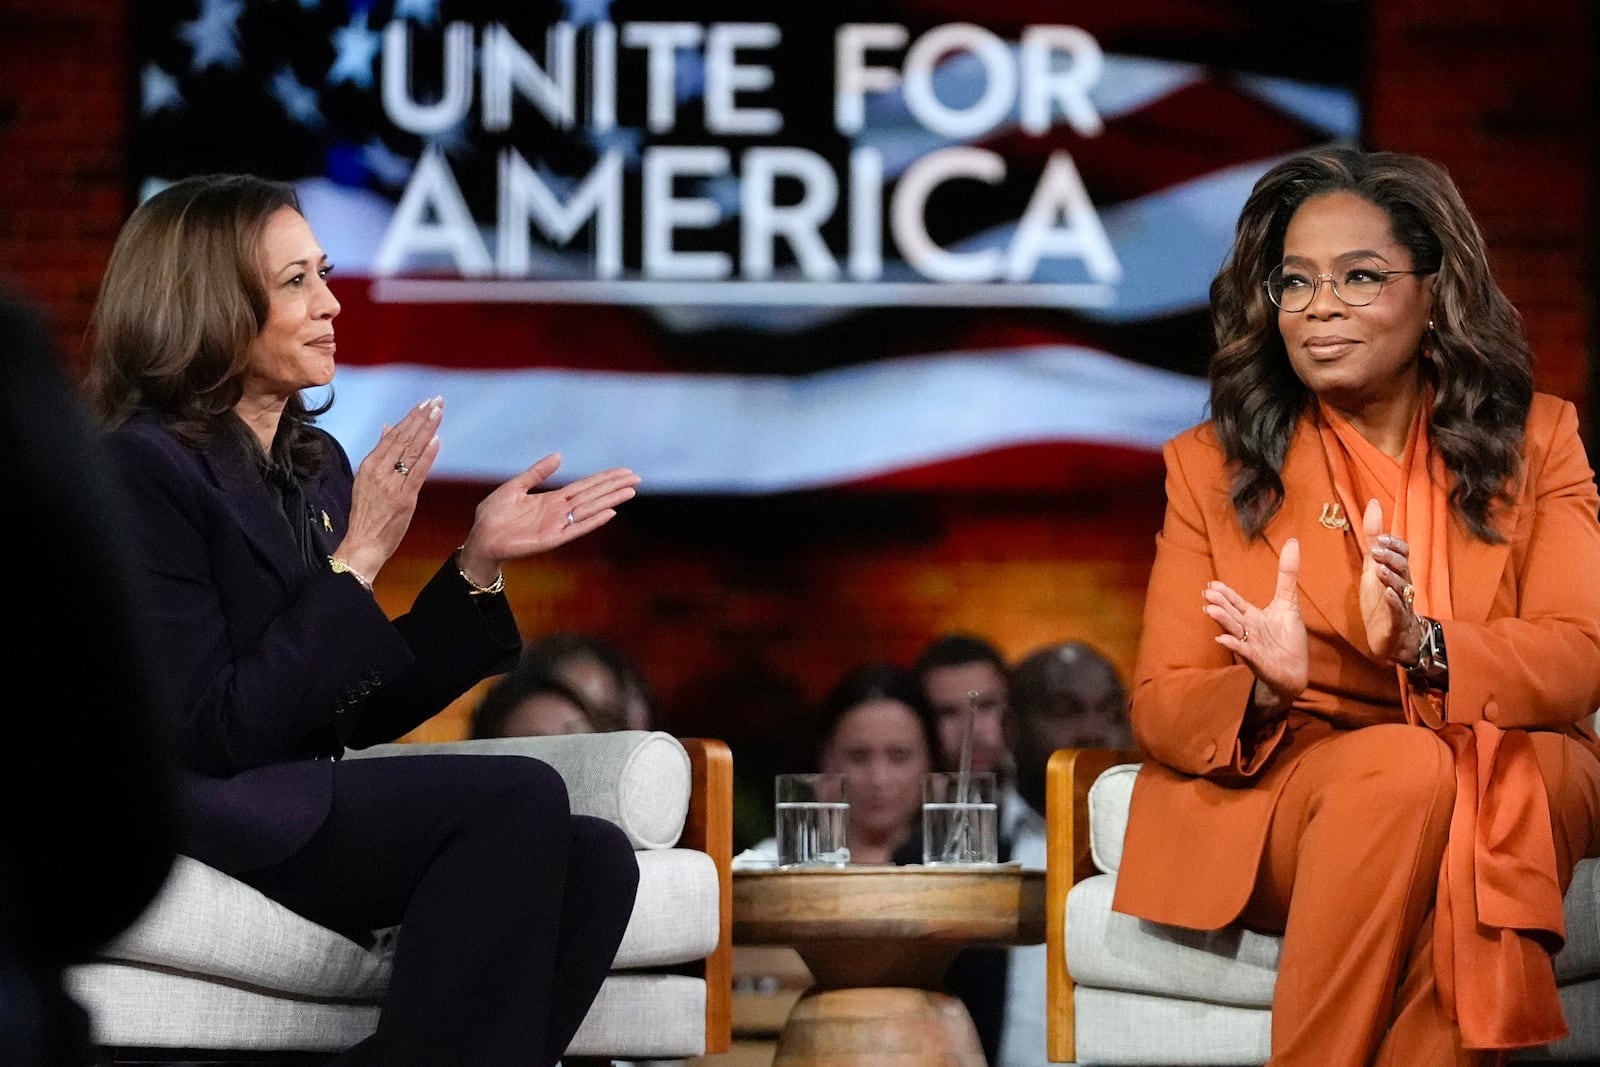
182	299
1476	354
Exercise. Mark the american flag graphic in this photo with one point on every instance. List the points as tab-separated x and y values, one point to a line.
934	244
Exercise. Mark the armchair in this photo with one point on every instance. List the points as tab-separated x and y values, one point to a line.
1124	991
214	971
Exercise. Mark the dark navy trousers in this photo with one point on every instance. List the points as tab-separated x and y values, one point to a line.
510	907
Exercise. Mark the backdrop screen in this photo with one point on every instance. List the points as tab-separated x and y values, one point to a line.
751	249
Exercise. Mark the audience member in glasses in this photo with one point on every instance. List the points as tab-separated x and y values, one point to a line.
1372	631
260	545
610	679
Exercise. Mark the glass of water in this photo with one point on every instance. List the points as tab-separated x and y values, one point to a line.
812	815
960	818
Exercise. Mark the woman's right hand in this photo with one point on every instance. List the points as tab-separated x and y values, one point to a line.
1271	640
384	496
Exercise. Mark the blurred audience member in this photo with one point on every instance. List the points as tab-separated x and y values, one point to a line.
1064	695
609	679
877	731
532	703
958	673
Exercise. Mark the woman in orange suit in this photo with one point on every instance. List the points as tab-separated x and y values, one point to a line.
1372	634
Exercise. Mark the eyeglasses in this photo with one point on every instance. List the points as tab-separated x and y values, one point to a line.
1357	285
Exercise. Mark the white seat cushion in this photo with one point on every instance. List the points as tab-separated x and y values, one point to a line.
1110	950
204	922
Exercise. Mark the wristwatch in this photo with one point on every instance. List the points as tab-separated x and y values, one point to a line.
1432	670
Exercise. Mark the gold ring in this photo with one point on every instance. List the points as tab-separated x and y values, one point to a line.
1244	634
400	465
1408	594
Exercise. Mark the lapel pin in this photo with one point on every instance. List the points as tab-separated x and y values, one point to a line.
1333	517
327	523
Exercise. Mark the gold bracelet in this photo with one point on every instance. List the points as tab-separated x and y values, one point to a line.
340	566
474	589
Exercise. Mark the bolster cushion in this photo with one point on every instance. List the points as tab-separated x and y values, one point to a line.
637	779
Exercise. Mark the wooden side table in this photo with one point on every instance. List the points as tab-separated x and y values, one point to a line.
878	940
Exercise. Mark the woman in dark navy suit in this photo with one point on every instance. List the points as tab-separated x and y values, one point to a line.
261	544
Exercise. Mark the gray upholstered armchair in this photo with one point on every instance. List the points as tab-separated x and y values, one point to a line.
214	970
1125	991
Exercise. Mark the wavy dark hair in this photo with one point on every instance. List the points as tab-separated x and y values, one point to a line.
182	299
1475	353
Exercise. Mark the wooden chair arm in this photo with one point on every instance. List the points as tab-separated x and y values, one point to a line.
709	828
1069	775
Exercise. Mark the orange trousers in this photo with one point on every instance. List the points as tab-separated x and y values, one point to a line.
1348	877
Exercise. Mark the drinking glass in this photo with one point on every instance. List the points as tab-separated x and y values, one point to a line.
812	814
960	818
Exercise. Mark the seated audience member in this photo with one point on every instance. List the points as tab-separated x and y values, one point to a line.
958	673
529	703
878	733
875	729
609	679
1065	695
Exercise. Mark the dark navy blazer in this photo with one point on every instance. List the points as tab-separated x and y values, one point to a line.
271	669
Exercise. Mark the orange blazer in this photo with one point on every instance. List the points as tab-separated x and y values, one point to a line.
1524	651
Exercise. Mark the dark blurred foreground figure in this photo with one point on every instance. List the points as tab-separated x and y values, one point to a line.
260	544
93	832
1372	632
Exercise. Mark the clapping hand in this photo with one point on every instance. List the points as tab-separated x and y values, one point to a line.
384	496
1271	640
518	519
1394	632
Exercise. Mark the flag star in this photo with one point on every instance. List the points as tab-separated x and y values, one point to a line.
158	91
423	11
214	36
299	101
357	47
387	165
587	12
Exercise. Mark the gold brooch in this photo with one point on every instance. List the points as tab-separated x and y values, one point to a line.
327	523
1333	517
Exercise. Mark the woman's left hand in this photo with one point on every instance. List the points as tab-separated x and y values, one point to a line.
1393	630
516	520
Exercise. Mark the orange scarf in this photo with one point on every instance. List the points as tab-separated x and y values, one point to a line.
1498	913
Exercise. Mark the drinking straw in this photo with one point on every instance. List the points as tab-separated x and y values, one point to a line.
958	826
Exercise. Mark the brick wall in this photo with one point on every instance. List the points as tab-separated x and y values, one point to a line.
743	610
